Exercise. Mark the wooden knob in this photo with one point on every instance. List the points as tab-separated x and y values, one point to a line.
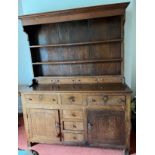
30	99
79	81
74	138
73	114
53	99
72	99
93	100
74	126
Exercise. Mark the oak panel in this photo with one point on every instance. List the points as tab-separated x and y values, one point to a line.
43	125
106	127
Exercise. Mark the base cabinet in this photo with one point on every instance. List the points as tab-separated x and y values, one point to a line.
101	121
106	127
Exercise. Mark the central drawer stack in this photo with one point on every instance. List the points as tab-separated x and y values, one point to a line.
72	123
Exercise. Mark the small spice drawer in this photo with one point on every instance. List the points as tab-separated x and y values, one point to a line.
73	125
41	98
73	137
106	99
71	99
77	114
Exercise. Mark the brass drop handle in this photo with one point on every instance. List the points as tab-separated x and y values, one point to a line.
105	98
72	99
89	125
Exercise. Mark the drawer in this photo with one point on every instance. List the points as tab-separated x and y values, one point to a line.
71	99
106	99
73	137
72	114
73	125
41	98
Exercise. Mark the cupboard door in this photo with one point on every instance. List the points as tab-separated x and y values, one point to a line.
106	127
43	125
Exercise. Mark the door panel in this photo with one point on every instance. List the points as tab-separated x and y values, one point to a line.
106	127
43	125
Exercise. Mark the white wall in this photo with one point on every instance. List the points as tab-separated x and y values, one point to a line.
37	6
130	46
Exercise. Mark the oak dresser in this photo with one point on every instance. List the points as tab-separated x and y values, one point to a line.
78	95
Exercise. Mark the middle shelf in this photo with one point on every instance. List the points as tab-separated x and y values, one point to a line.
78	43
76	62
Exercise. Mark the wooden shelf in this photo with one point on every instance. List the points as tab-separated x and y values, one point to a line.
76	44
76	62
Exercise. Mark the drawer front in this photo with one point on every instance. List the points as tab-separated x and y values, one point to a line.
71	99
73	125
73	114
41	98
106	99
73	137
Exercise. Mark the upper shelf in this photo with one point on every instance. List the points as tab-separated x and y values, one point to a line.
77	44
76	62
75	14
